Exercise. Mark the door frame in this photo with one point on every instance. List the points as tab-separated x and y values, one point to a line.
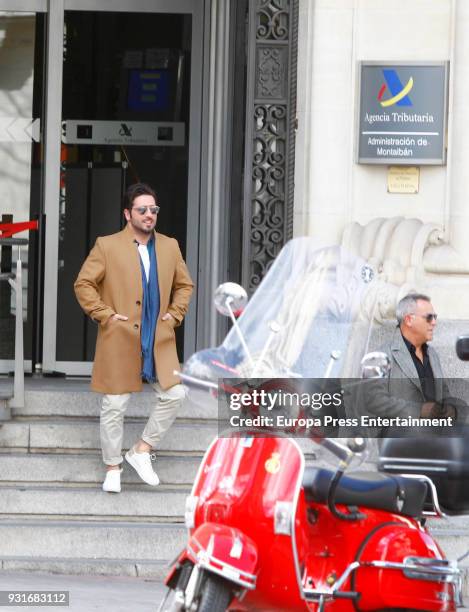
20	6
24	6
52	157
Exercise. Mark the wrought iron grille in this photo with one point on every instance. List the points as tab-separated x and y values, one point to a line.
270	134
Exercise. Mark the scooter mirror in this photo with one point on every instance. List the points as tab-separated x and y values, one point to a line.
230	298
462	348
375	365
356	445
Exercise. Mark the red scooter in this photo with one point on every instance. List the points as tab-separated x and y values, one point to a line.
267	532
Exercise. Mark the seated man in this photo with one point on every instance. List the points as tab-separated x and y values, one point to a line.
415	386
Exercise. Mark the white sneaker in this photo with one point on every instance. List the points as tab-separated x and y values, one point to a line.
141	463
112	482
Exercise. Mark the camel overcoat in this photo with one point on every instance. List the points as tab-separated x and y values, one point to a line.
110	282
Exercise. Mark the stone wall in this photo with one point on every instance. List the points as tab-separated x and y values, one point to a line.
332	191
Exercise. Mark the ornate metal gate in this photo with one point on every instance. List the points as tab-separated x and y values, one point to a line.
270	134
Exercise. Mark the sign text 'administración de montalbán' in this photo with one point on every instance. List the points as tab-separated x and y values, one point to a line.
402	113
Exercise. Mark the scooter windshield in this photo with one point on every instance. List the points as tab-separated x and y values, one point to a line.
309	318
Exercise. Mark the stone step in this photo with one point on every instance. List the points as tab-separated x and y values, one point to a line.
140	568
142	503
81	540
88	468
14	435
84	436
5	410
6	393
75	400
54	435
454	547
451	533
69	468
451	525
454	542
33	546
6	388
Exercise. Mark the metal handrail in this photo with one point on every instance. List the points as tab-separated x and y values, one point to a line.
15	281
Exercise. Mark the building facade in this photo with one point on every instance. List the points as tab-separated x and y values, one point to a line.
97	95
244	115
416	239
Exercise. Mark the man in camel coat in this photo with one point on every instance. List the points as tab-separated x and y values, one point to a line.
136	286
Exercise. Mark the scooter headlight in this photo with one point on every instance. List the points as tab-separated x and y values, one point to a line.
189	514
283	515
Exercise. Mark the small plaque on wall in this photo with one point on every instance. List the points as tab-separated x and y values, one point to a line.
403	179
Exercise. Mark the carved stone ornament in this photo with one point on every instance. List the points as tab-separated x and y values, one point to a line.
273	19
402	252
272	65
270	110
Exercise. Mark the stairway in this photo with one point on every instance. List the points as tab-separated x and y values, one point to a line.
53	514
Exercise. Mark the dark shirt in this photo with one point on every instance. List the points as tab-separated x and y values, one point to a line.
424	370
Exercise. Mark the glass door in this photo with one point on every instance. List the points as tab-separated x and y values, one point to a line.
130	111
22	56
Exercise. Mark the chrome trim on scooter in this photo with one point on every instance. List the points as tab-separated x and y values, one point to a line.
196	381
353	566
205	560
417	568
189	513
401	466
192	587
423	462
432	570
438	570
432	565
434	493
283	512
202	466
296	497
316	594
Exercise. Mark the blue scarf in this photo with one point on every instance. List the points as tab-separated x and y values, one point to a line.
150	314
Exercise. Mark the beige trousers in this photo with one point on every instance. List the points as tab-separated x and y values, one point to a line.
160	420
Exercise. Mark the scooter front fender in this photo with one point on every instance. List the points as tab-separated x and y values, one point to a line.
226	551
175	568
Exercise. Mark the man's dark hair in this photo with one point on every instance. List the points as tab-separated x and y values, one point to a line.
134	191
408	304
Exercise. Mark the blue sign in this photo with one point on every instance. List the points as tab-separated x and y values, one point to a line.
402	113
148	90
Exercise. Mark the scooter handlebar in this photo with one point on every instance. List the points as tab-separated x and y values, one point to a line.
342	452
196	382
339	450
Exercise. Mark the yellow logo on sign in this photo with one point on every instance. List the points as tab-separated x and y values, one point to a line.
272	465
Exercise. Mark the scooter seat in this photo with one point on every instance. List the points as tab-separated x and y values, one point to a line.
369	489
